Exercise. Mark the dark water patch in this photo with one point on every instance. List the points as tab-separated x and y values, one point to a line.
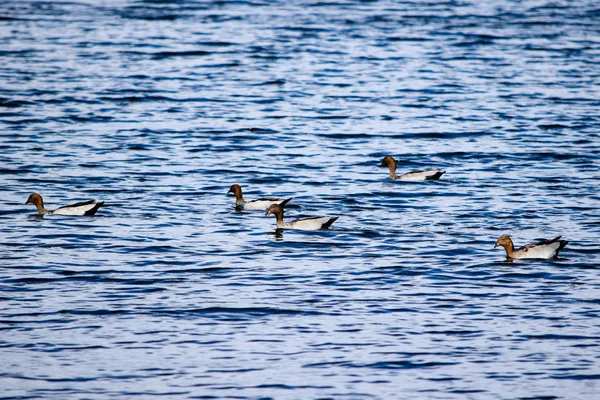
258	131
334	135
160	17
91	118
10	103
408	39
206	270
440	135
95	312
403	365
56	380
467	391
275	82
88	278
170	54
5	18
15	171
576	377
225	311
135	99
558	337
216	43
17	53
552	126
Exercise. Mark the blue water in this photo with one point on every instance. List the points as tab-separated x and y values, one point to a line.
157	107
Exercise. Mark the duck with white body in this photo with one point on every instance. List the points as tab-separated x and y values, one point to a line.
545	249
254	205
304	224
427	175
84	208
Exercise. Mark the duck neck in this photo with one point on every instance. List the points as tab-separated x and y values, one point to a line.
239	198
510	248
279	217
40	207
392	167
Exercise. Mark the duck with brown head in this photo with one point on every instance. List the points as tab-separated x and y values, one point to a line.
83	208
545	249
388	161
253	205
304	224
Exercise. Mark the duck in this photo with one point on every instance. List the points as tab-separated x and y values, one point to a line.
84	208
428	175
545	249
253	205
304	224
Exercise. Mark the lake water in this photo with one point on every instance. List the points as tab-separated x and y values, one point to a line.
157	107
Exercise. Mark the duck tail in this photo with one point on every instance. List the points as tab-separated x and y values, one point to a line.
283	203
435	176
329	223
563	243
92	211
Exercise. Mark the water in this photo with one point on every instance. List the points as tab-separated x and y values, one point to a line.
157	107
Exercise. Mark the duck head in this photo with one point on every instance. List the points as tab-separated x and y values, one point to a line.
276	210
36	200
505	242
388	161
236	190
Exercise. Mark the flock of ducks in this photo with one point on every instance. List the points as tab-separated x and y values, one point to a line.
274	206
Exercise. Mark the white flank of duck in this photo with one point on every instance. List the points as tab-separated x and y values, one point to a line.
83	208
428	175
544	249
304	224
253	205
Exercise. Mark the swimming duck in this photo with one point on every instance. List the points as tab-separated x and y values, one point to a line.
305	224
543	249
259	204
413	175
83	208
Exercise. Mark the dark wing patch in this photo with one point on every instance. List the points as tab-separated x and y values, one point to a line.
83	203
548	241
308	218
265	199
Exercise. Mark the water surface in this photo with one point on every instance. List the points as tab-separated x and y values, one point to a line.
157	107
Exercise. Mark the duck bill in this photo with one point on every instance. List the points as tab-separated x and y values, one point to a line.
496	245
268	212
